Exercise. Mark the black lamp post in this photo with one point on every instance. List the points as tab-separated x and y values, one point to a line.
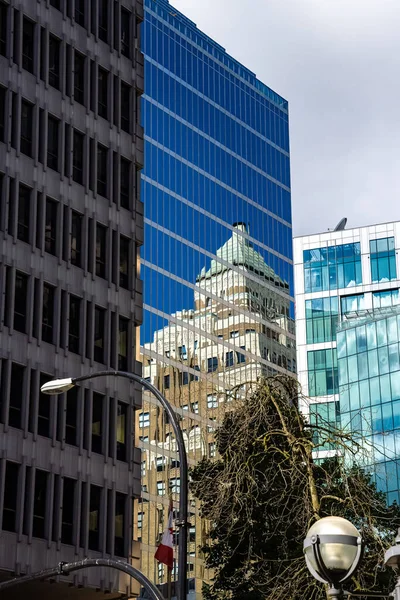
59	386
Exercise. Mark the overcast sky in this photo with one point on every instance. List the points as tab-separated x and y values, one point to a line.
337	62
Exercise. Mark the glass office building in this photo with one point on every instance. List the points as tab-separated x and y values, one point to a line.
217	259
347	296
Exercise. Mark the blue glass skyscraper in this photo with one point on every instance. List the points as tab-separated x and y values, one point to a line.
217	259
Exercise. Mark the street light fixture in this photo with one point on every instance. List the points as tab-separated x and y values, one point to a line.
333	549
59	386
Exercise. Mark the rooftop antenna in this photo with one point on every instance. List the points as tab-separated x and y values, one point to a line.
341	225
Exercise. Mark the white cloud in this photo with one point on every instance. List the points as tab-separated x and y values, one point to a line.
338	64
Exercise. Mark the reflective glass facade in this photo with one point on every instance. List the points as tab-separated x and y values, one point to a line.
332	267
383	260
369	377
217	260
340	277
322	372
321	319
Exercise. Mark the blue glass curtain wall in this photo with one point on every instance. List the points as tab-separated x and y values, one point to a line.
217	265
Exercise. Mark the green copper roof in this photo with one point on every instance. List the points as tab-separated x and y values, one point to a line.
239	252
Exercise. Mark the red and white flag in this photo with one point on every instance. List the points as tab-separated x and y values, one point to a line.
165	551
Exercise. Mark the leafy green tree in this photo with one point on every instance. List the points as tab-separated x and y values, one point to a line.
265	490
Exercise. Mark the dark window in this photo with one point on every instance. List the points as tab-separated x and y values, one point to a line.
20	302
28	36
119	539
121	430
79	78
54	62
67	150
101	250
123	344
94	517
126	107
56	4
80	12
74	324
48	313
10	495
71	417
241	358
24	209
97	422
44	409
2	111
229	359
102	93
68	502
102	170
103	20
26	127
185	378
212	364
52	143
39	504
99	318
16	393
125	32
41	157
14	119
124	262
125	183
166	382
68	70
3	28
50	231
76	239
77	161
43	48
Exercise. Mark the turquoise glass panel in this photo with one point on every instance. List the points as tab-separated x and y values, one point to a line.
332	267
383	260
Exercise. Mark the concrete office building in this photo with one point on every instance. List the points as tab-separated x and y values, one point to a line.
71	223
217	261
347	315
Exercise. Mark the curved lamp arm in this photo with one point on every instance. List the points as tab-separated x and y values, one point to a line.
67	568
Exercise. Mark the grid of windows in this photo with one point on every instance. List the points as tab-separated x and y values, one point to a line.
321	319
61	493
62	288
332	267
322	372
383	260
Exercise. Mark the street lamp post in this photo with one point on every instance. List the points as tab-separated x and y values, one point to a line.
59	386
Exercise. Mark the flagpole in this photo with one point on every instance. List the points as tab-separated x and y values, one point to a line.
169	584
